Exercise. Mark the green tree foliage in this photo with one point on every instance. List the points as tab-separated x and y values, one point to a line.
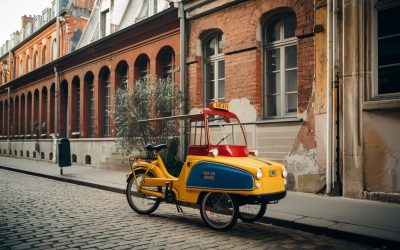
150	98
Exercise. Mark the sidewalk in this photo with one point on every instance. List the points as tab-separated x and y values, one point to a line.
362	220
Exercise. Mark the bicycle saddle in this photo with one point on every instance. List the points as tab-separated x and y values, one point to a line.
150	147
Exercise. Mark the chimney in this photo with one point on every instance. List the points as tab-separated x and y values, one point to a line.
25	20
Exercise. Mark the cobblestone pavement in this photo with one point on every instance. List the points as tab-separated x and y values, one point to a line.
41	213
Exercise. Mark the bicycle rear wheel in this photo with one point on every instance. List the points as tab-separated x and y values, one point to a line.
141	203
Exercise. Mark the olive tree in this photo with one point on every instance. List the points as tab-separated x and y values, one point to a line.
150	98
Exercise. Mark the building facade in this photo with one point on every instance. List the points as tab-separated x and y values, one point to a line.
314	82
261	57
71	96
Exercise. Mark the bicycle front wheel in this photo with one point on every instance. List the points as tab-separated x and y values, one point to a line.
219	211
141	203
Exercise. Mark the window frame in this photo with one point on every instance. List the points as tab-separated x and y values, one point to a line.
105	18
167	67
281	45
372	93
216	58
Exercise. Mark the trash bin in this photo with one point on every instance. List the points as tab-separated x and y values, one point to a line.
64	153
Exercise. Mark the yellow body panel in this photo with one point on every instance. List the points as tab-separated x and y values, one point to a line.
272	180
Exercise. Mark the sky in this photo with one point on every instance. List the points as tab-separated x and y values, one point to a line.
13	10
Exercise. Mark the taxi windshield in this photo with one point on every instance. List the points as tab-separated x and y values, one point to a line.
226	130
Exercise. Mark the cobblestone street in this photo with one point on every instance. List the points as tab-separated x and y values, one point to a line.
41	213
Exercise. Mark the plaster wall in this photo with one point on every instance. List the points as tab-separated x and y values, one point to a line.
381	133
98	150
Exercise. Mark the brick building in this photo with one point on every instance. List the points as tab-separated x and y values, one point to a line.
316	83
261	57
313	81
71	95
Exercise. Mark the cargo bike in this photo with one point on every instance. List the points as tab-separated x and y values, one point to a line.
220	176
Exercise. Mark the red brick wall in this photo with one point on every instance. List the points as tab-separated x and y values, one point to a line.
241	25
150	47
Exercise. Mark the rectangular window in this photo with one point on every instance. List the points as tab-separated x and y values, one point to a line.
388	47
105	23
214	69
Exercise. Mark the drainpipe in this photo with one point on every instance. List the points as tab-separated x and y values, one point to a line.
334	84
56	83
8	119
329	101
183	88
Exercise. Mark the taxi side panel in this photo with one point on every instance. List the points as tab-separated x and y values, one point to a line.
210	175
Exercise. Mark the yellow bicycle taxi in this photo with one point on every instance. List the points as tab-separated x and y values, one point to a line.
220	176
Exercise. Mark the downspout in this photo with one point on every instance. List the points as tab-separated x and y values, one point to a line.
335	81
55	148
56	85
8	119
329	101
182	76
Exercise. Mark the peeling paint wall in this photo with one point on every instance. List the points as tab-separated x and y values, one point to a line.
306	174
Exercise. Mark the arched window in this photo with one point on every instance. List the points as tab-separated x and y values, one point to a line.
214	68
44	55
36	121
280	71
43	111
121	76
22	116
64	109
89	102
88	160
54	50
11	128
165	63
52	104
6	118
142	67
91	109
21	68
16	116
29	114
76	99
36	60
74	158
105	101
28	64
